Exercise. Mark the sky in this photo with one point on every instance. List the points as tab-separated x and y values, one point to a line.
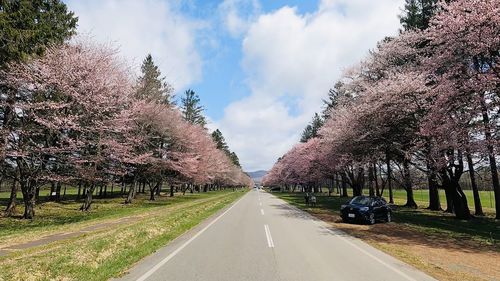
261	68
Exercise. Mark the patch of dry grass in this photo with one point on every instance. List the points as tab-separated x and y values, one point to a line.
108	252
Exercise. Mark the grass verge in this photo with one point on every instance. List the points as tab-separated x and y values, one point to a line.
434	242
107	253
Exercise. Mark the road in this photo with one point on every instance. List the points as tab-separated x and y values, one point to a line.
261	237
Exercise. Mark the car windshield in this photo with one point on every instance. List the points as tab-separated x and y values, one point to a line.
361	200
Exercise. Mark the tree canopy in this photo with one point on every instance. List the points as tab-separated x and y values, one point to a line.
29	27
191	108
151	85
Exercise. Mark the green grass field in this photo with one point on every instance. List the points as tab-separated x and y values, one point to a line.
422	198
104	253
484	229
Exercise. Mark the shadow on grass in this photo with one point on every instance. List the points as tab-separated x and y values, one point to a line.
419	226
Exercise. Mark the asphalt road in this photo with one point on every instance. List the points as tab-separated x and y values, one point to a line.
261	237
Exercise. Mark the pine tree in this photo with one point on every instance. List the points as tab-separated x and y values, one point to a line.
234	158
220	141
151	85
417	14
312	129
191	109
306	134
28	27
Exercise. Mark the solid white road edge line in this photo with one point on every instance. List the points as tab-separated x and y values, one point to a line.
270	242
366	252
319	223
262	211
169	257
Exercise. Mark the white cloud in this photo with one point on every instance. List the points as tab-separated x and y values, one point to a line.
142	27
296	57
237	15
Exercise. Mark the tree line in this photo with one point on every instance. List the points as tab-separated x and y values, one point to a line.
424	101
73	113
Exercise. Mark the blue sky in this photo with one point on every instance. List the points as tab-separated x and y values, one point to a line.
261	68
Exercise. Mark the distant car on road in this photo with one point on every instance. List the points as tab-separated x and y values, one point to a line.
366	209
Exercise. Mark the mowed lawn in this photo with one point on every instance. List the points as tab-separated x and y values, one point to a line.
105	252
482	228
422	198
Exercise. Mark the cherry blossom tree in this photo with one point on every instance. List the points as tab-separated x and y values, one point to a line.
67	103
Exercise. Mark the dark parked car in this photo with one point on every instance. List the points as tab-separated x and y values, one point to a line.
366	209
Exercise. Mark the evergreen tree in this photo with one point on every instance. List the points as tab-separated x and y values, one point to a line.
191	109
28	27
312	129
417	14
151	85
335	95
220	141
306	134
234	158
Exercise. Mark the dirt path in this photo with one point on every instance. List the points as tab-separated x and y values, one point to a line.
79	230
66	235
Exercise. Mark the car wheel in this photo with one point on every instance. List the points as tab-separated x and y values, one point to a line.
389	217
371	219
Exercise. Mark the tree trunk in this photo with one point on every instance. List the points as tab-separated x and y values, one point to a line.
122	186
434	200
389	178
451	177
410	200
52	195
461	207
87	203
11	205
37	193
375	179
64	195
131	193
29	207
477	200
153	191
449	199
371	190
58	192
79	190
171	189
344	186
457	197
28	189
357	189
491	156
158	190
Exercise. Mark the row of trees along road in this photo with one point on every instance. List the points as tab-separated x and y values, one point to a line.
73	113
424	101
